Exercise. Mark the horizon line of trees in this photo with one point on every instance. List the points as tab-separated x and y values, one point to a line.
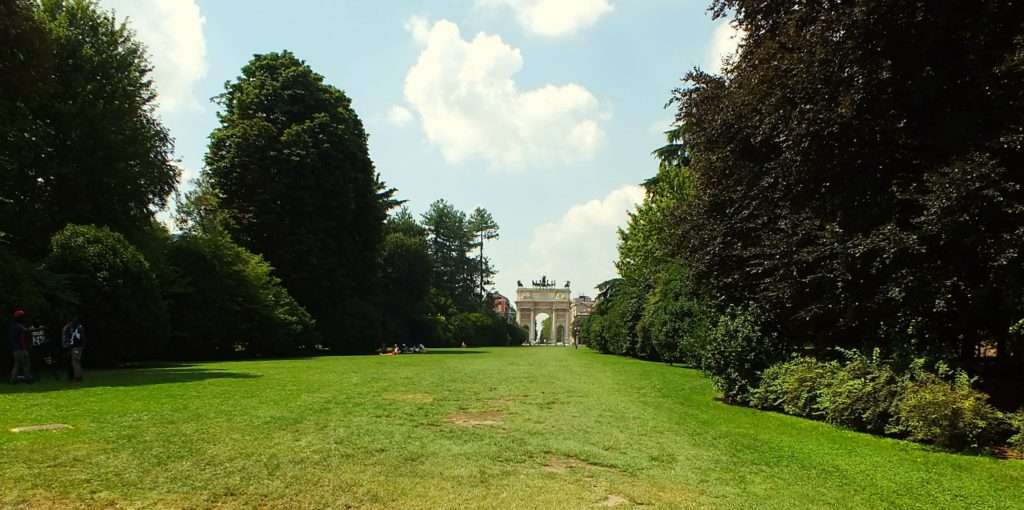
289	243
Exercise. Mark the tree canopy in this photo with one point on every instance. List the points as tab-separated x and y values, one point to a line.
290	167
856	185
68	68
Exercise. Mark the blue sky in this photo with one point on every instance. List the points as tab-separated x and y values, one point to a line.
545	112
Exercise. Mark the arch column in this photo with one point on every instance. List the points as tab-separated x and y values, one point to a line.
533	325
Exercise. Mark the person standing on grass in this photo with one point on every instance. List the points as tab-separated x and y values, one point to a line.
73	340
46	349
19	341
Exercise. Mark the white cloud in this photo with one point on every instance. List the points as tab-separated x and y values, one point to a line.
471	107
172	31
553	17
399	116
581	246
725	41
419	27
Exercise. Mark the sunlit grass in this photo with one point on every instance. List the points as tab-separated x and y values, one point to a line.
476	428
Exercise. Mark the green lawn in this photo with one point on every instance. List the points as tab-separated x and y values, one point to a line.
478	428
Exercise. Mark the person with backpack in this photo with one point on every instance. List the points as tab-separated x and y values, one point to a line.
73	340
19	341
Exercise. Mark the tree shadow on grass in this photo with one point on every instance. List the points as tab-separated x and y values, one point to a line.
166	373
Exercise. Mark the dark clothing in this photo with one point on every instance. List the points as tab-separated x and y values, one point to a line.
73	335
73	339
46	350
18	338
22	369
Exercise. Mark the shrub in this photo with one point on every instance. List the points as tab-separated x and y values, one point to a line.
860	393
1016	421
485	328
944	409
739	348
121	303
793	387
226	303
674	320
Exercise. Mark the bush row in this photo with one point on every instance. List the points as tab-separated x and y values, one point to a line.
939	406
188	296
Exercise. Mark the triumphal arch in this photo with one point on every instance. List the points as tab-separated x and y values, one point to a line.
544	296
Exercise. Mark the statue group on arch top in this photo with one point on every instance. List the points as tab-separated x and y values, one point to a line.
543	283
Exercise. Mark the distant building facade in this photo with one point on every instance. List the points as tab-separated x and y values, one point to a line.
581	307
503	307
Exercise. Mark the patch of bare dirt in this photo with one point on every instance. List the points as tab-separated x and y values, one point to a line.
559	464
613	500
476	419
1003	452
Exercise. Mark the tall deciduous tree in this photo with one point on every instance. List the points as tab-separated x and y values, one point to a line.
290	166
79	138
857	173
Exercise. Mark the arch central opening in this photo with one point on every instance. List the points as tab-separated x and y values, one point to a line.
542	327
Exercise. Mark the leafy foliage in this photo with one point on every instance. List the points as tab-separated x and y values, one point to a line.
861	393
76	87
611	327
941	407
793	387
740	347
119	298
290	167
227	303
484	329
874	195
1017	427
483	227
405	279
944	409
451	238
675	321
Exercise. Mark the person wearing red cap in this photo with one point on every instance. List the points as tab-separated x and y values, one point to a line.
19	341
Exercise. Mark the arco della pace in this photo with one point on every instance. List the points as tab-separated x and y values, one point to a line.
545	297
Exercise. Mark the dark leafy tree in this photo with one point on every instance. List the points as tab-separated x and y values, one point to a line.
290	167
225	300
405	279
226	303
857	174
451	240
79	138
118	295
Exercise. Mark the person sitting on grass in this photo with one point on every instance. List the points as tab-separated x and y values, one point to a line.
19	341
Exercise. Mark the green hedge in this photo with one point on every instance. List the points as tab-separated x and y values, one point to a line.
938	406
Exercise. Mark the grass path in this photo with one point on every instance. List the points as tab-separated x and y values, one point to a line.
507	428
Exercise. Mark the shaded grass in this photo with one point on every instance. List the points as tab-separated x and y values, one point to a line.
564	429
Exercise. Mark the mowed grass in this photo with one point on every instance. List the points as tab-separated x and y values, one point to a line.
476	428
